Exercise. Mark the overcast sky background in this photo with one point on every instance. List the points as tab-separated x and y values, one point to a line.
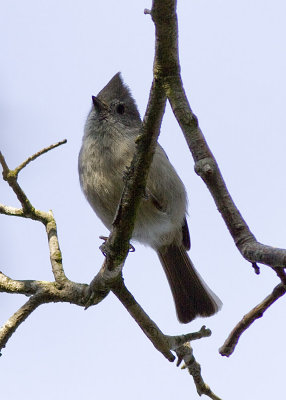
54	56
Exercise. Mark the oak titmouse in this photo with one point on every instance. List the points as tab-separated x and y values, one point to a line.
107	149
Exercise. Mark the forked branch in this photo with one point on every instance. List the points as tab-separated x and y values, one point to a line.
63	290
168	72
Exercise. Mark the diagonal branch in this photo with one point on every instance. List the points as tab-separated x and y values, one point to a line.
257	312
38	154
165	19
164	343
117	246
185	352
19	316
151	330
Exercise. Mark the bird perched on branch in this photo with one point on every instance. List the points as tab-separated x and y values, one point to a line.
107	150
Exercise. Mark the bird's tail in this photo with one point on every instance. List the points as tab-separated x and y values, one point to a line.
191	294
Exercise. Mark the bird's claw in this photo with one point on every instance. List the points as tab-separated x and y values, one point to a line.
102	246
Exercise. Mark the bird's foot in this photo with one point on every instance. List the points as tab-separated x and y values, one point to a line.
102	246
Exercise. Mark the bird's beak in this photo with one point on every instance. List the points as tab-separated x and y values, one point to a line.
98	104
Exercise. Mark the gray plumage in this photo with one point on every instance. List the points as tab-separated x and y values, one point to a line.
107	149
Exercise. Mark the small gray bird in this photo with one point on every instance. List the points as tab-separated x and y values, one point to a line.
107	149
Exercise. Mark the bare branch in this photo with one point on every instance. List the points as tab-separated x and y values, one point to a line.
41	292
38	154
61	289
185	353
12	211
65	290
167	81
4	165
16	319
71	292
117	246
27	287
11	177
257	312
55	252
48	220
28	211
179	340
165	19
148	326
168	70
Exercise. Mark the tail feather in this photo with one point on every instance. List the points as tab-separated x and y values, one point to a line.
191	294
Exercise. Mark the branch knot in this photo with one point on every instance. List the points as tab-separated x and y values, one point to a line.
205	167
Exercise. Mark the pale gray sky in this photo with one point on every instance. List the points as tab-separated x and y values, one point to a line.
54	56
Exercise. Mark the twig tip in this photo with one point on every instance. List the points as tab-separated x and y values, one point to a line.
256	268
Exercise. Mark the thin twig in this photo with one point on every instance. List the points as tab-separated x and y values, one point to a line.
257	312
4	165
11	177
38	154
179	340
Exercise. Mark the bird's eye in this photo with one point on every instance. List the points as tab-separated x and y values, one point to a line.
120	109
